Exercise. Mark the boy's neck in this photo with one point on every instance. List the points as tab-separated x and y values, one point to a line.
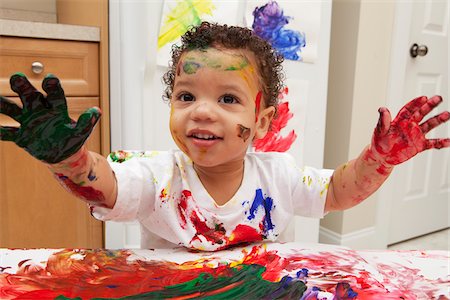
221	182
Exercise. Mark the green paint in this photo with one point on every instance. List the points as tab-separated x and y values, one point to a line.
240	282
191	67
243	64
46	131
19	74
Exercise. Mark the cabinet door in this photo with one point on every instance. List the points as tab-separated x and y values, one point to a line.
35	211
75	63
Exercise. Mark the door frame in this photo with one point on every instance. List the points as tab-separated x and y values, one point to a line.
398	61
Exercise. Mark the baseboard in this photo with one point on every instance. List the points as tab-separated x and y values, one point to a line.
360	239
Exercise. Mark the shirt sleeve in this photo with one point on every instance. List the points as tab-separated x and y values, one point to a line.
132	189
310	192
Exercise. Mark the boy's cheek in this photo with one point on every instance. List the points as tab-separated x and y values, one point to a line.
243	132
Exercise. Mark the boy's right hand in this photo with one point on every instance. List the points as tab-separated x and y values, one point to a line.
46	131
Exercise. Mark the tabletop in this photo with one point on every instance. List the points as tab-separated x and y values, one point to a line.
255	271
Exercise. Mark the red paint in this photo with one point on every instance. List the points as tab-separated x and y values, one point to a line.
112	274
273	141
244	233
182	206
397	141
84	192
257	105
217	233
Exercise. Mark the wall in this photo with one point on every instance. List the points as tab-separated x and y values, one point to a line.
29	10
358	81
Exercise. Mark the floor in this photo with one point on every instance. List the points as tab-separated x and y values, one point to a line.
439	240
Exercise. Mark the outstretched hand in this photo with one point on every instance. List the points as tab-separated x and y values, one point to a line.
397	141
46	131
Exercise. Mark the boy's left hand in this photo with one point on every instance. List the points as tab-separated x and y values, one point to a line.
397	141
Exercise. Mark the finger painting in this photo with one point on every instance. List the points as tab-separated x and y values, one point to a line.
292	27
259	271
179	15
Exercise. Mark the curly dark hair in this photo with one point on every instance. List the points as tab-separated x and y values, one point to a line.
269	62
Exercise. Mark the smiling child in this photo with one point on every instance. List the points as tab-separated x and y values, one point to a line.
211	193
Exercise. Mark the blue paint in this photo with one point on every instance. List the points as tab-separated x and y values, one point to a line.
91	176
269	21
303	273
344	291
267	205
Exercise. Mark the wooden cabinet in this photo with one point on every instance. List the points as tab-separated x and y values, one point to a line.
35	211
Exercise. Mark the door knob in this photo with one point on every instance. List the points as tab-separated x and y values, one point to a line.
37	67
418	50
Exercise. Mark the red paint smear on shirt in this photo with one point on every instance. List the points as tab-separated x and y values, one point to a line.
85	192
273	141
216	234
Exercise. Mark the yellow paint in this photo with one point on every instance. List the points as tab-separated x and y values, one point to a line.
322	192
185	13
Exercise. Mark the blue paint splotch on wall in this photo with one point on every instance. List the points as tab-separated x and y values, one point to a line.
266	203
269	21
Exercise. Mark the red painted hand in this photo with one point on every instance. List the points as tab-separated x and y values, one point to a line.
397	141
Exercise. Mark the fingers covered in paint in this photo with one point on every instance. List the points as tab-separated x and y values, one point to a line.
9	108
435	121
87	121
384	121
399	140
55	93
8	133
31	98
46	130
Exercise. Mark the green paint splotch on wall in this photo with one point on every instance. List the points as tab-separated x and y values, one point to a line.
185	13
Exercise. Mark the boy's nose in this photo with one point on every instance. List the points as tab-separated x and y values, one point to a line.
204	110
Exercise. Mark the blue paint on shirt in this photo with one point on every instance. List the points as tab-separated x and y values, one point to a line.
264	203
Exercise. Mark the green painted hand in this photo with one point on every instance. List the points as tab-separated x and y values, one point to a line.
46	131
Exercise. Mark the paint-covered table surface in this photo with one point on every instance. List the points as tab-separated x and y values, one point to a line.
258	271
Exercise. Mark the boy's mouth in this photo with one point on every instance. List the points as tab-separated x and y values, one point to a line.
203	136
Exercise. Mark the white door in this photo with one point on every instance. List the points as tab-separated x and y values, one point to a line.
420	193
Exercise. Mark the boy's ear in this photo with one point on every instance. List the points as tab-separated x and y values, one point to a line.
264	119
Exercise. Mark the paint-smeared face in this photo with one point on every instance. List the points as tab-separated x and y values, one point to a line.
213	105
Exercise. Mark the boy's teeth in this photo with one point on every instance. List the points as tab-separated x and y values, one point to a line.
203	136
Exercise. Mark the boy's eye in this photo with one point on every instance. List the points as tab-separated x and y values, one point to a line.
186	97
228	99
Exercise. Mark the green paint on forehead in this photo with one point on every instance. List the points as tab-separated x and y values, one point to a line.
215	59
239	66
191	67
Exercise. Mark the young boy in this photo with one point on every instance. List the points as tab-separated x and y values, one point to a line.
222	85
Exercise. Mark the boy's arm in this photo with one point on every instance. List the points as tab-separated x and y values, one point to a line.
88	176
48	133
392	143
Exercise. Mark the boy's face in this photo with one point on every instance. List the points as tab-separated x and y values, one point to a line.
217	107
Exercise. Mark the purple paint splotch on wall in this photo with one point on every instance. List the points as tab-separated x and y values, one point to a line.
269	22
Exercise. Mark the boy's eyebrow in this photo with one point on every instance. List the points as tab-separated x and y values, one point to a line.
224	86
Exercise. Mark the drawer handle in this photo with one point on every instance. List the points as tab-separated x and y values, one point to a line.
37	67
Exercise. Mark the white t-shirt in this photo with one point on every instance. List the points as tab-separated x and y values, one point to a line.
162	191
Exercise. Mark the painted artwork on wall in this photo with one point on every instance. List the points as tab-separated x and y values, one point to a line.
292	27
178	15
287	130
259	271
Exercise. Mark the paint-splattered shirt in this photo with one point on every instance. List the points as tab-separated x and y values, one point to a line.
162	191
